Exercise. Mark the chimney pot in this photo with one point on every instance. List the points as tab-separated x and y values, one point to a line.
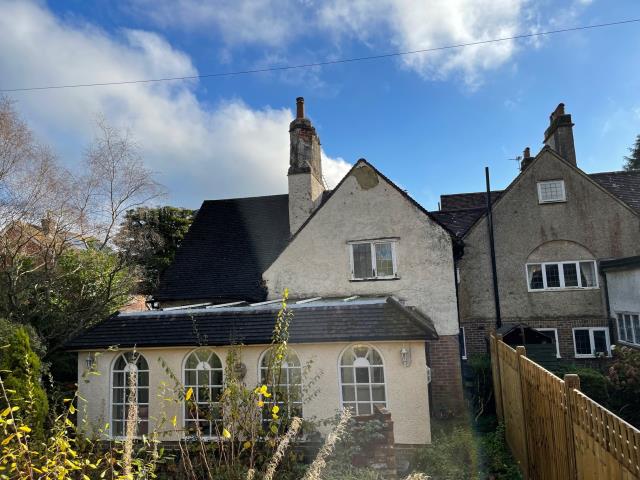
527	153
300	107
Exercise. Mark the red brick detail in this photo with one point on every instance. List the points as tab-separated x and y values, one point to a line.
443	357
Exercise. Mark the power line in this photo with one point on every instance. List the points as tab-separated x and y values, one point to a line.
327	62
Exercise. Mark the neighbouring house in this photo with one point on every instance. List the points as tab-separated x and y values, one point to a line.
371	278
622	285
551	226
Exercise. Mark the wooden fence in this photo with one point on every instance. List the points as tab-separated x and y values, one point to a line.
553	430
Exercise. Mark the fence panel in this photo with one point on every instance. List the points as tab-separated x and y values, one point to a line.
555	431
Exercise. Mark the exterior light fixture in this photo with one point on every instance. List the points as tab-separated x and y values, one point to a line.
90	361
405	356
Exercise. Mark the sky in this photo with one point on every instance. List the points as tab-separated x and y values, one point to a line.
431	122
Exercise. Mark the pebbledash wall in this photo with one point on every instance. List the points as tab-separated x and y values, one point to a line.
366	207
407	402
590	225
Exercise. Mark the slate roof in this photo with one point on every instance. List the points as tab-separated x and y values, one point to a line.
460	211
374	319
624	185
228	247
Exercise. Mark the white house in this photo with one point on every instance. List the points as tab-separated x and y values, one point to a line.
371	276
622	284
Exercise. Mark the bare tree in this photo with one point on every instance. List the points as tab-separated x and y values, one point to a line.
116	180
46	212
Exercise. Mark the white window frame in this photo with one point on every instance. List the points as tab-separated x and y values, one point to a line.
355	384
545	288
373	243
563	198
591	341
555	334
186	421
464	343
262	371
635	340
112	387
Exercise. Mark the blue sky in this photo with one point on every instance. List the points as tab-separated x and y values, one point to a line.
430	122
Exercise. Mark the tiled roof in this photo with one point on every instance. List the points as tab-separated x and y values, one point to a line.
624	185
375	319
460	211
459	221
464	201
228	247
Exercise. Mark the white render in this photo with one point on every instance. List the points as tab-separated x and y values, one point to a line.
305	192
366	207
406	387
624	290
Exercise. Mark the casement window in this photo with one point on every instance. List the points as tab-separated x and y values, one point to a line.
463	344
553	333
561	275
591	341
373	259
551	191
629	328
203	374
129	386
284	382
362	381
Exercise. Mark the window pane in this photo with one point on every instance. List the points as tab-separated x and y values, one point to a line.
362	375
582	342
551	191
362	260
347	375
622	333
384	260
600	341
534	273
364	409
570	274
552	272
628	330
377	374
636	327
364	394
378	393
587	274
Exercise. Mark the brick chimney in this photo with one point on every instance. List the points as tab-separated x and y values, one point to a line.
305	169
559	135
526	159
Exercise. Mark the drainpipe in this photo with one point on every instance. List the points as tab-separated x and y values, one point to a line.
496	296
610	318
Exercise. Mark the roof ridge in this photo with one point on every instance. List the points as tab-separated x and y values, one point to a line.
636	172
246	198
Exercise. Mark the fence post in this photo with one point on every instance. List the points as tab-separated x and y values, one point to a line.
571	382
521	352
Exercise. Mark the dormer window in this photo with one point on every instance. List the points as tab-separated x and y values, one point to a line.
373	259
551	191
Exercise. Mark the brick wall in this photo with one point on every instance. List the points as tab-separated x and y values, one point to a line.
443	356
477	330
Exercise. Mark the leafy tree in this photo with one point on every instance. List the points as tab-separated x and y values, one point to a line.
633	160
624	375
21	374
149	238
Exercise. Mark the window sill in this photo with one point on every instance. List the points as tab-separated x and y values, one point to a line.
629	344
592	356
551	202
380	279
562	289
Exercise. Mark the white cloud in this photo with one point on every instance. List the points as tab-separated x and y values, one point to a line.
199	151
416	25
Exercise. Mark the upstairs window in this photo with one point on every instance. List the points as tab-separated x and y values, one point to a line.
551	191
373	260
561	275
629	328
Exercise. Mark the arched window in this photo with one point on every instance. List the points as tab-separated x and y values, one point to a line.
286	382
203	374
362	379
130	366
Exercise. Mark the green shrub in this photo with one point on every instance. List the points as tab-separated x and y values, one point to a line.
453	455
498	462
21	376
624	378
593	383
